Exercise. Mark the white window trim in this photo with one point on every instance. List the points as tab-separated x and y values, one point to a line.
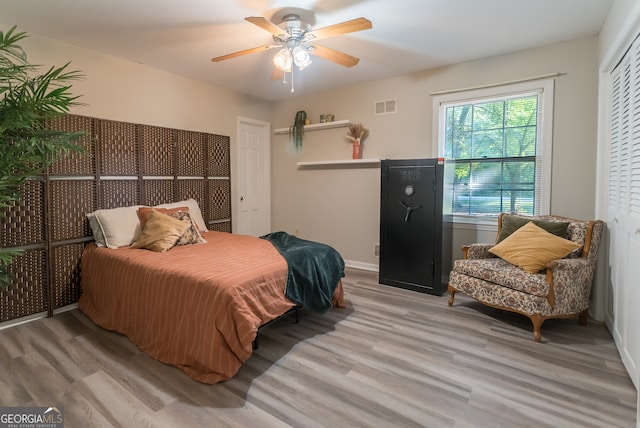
545	131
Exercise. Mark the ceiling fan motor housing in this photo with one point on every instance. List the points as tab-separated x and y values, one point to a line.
293	28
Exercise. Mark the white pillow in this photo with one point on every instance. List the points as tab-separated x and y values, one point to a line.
194	212
120	226
96	230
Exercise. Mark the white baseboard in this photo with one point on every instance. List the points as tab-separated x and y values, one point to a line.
361	265
65	308
33	317
18	321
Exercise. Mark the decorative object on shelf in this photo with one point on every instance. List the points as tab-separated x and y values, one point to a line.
296	131
307	121
356	136
27	147
324	118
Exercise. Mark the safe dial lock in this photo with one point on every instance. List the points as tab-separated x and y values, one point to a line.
409	190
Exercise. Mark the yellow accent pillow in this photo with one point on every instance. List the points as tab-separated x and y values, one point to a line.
161	232
531	248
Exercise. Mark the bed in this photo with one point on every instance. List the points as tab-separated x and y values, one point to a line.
199	306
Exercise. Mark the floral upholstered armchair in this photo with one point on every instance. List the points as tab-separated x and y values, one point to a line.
540	266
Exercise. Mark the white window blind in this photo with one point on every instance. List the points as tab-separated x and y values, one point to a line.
499	141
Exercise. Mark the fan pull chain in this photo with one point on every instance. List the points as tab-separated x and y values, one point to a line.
292	68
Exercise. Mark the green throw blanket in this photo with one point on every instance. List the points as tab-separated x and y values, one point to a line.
314	270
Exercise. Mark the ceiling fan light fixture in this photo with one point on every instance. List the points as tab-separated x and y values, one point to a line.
301	57
282	60
304	65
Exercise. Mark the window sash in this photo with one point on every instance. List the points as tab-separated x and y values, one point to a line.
485	196
540	160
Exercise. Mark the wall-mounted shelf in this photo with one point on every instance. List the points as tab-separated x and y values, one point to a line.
349	163
317	126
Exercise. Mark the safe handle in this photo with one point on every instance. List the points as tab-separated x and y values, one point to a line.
408	209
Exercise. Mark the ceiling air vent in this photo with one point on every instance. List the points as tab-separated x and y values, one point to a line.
386	106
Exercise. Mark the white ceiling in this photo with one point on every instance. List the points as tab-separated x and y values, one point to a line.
182	36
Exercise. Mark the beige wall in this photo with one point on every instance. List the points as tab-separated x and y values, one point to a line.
616	24
341	206
120	90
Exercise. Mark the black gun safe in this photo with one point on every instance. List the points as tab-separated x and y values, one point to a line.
415	242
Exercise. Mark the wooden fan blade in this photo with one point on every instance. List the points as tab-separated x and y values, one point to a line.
265	24
357	24
277	74
334	55
240	53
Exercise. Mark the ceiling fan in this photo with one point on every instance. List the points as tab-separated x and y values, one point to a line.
297	41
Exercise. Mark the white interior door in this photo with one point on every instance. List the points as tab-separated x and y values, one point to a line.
252	175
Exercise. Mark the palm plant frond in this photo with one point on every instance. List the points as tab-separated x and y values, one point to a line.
28	100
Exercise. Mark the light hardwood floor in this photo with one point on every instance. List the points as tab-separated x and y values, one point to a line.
392	358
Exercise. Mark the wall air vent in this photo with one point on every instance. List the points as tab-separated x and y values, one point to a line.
386	106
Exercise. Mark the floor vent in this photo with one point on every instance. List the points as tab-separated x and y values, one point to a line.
386	106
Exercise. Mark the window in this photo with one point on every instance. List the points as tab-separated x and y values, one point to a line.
497	142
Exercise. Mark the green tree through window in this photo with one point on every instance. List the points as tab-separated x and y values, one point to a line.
492	144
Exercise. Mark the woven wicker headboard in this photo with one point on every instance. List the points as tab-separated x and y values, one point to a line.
124	164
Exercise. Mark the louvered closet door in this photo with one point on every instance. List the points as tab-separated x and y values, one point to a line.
623	211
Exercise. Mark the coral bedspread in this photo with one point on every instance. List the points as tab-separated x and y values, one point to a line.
197	307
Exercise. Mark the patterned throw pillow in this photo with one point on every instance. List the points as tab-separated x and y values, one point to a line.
192	234
194	211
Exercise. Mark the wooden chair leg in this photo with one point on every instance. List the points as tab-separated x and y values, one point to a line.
582	318
452	294
537	321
